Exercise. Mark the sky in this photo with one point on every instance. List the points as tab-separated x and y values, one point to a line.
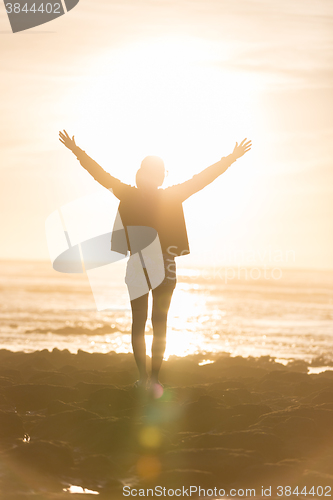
184	80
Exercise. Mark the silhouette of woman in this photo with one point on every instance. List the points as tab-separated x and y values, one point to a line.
161	209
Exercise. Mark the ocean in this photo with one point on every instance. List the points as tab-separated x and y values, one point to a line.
288	317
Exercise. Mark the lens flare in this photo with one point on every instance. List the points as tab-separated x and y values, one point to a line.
157	391
148	467
150	437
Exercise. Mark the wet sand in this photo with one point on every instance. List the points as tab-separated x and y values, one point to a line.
76	419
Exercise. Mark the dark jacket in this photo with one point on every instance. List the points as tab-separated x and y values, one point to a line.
160	209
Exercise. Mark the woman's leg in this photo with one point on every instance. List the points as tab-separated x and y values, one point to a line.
139	317
161	303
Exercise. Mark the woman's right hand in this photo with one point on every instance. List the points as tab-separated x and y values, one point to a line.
67	141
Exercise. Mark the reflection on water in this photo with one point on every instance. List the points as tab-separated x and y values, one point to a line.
319	369
79	489
288	318
206	362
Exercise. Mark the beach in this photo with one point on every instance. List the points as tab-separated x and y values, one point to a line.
74	424
247	404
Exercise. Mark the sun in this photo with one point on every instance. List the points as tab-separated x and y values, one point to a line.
173	96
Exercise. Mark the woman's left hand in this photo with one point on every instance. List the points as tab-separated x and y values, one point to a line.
242	148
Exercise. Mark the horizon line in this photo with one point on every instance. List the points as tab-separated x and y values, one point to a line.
233	266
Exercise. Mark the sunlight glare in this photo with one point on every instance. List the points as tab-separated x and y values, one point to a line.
170	97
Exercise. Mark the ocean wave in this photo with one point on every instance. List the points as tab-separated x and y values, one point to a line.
76	330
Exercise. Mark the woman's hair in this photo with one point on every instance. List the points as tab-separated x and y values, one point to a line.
151	172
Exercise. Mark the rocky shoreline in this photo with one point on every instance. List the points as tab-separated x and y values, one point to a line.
76	420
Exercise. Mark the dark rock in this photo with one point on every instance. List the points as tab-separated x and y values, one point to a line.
52	378
178	378
39	360
3	402
189	394
92	377
112	397
68	369
318	480
11	425
323	397
60	358
282	381
231	397
85	389
303	388
252	411
112	489
105	435
324	406
322	417
224	464
241	416
14	375
5	382
34	397
297	426
323	461
217	388
286	472
298	365
267	444
44	456
97	467
57	406
61	425
287	377
208	401
179	478
235	423
197	417
267	395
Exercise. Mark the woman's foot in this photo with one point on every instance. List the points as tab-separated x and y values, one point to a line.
154	382
142	382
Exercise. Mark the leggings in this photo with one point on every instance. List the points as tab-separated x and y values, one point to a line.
161	303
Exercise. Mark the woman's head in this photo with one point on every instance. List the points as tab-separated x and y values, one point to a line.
151	173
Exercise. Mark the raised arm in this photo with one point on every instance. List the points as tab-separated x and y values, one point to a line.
201	180
94	169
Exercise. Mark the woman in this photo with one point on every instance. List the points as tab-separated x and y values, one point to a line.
148	206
